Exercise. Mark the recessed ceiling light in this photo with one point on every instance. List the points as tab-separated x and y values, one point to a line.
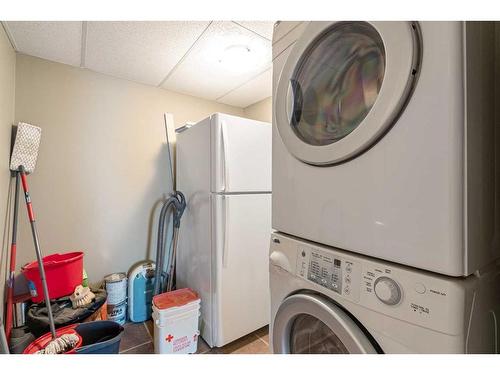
237	57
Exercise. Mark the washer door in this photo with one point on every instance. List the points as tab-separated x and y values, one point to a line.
343	86
310	324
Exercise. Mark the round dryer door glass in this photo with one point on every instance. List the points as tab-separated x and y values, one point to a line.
310	335
337	82
308	323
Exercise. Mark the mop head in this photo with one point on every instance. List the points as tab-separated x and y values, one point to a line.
61	345
25	149
82	296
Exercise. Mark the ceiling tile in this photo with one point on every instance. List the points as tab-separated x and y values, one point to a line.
207	72
139	51
255	90
57	41
263	28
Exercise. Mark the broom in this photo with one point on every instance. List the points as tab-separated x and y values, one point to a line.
22	162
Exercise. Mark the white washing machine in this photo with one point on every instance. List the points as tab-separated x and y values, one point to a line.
324	300
384	140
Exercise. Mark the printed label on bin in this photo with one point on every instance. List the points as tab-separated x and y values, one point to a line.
180	343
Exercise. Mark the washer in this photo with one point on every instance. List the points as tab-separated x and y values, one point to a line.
324	300
384	140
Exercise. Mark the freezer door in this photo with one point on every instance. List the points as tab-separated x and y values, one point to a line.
242	234
241	154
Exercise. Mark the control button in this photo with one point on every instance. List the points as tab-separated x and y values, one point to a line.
347	290
387	291
303	253
347	279
348	268
420	288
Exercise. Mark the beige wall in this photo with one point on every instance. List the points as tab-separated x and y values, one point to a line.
261	111
102	167
7	91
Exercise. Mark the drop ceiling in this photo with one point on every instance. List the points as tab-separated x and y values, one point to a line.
182	56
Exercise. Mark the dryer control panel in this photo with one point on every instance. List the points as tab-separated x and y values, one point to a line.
329	270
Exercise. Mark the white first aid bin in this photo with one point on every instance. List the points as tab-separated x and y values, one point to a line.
175	316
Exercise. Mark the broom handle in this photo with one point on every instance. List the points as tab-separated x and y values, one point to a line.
12	270
31	217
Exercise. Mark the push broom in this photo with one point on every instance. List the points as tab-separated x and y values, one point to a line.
22	162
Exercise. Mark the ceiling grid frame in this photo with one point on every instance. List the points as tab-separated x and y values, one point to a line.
84	44
230	87
184	56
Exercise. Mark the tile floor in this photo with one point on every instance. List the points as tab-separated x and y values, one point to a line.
138	339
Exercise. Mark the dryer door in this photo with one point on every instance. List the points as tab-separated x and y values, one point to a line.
343	86
310	324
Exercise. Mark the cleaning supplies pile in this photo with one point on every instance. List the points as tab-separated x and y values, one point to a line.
23	161
56	276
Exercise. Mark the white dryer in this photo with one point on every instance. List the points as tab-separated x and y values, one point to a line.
324	300
384	140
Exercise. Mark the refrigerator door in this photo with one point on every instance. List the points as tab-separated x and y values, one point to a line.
241	155
242	234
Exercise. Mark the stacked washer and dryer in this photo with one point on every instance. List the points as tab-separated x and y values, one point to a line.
386	188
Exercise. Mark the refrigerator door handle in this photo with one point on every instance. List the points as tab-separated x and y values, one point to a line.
224	232
224	157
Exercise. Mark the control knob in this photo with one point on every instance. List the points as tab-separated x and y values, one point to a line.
387	291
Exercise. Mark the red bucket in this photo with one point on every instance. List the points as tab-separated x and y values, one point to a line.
63	273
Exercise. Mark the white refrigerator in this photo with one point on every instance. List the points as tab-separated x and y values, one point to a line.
224	170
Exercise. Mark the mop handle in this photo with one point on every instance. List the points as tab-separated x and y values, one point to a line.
31	217
12	269
27	197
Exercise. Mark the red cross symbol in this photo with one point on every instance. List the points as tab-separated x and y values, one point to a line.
169	338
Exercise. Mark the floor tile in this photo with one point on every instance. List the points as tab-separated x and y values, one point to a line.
134	334
236	345
138	339
263	333
249	344
150	327
202	346
146	348
255	347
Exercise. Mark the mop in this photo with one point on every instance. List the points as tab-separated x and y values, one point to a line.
22	162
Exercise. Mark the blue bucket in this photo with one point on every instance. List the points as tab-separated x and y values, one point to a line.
100	337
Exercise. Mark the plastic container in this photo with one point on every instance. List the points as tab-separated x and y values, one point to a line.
140	291
100	337
175	317
62	271
44	340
